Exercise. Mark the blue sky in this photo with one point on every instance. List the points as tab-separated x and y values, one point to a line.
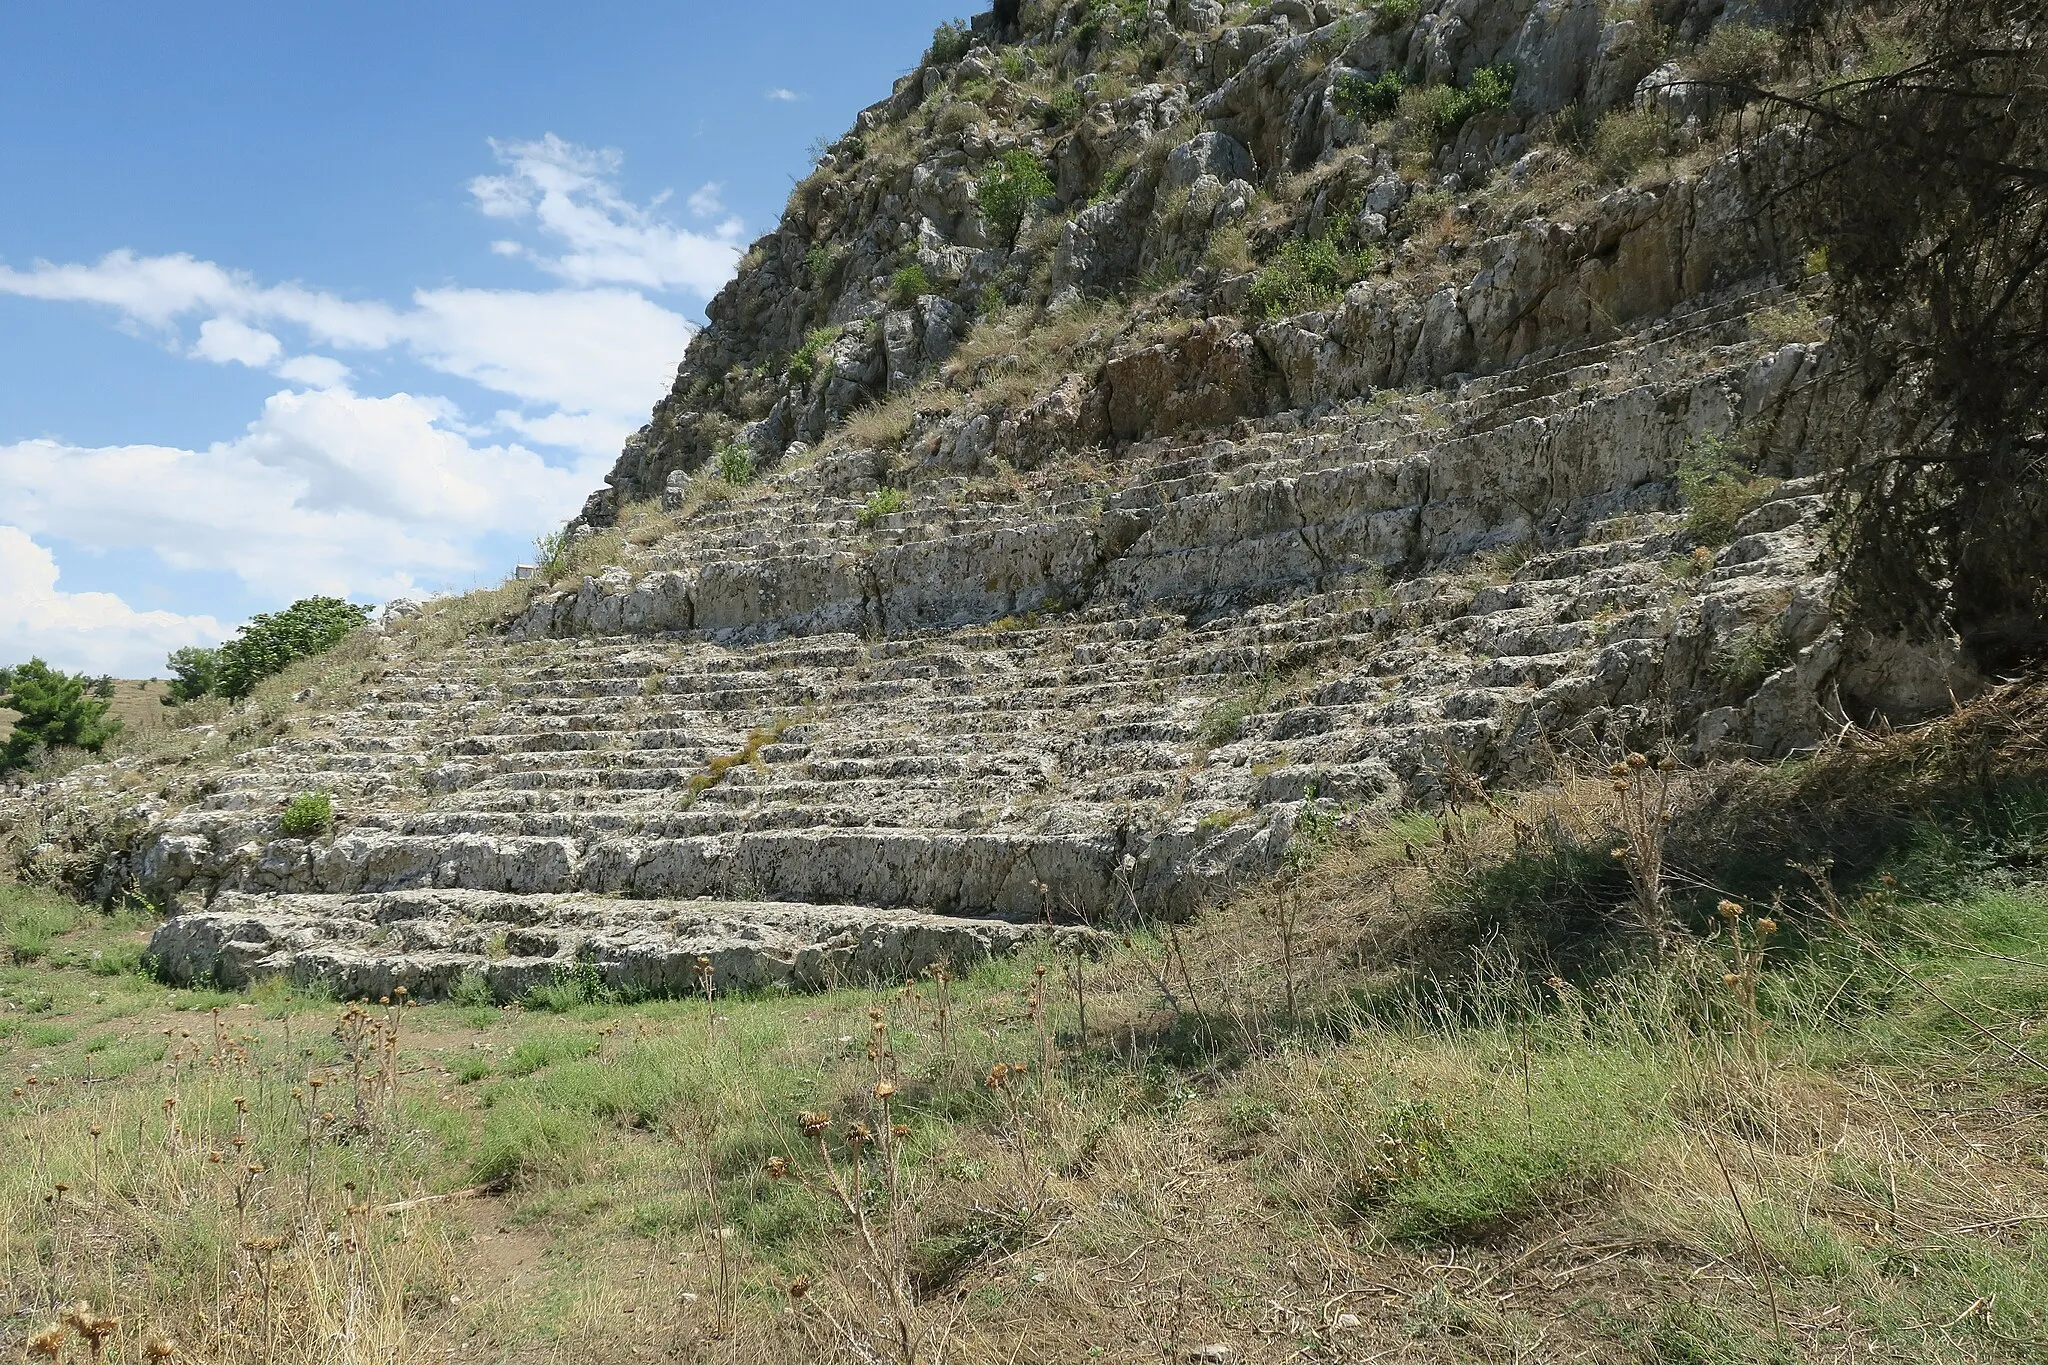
360	298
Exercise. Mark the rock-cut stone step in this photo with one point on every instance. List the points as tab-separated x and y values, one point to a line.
368	946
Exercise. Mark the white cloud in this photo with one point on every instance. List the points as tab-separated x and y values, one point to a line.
326	492
317	371
222	340
578	431
158	290
708	201
571	194
333	491
596	350
86	632
782	96
610	352
607	352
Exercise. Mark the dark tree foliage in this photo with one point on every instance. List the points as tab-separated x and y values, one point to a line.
195	673
58	710
270	643
1929	194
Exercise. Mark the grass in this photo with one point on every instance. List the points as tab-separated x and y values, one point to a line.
1489	1124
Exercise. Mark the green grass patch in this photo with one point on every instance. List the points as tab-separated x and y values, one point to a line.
32	920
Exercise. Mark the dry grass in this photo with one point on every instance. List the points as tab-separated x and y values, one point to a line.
1419	1101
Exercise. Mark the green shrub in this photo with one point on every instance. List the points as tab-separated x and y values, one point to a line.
881	503
735	464
1390	15
473	989
1360	98
572	987
1719	488
1421	210
57	709
950	42
1492	87
269	644
1308	274
195	673
1064	110
820	263
1626	139
803	366
1103	17
1008	189
1434	113
1741	666
908	285
308	816
1736	54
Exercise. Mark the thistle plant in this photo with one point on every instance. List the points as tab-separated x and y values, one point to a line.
1644	788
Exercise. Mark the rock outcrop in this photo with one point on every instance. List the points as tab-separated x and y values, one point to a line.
1136	612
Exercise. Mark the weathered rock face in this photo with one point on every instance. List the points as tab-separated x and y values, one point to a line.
1149	167
370	946
1135	620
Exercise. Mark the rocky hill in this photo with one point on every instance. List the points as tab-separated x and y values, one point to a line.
1157	432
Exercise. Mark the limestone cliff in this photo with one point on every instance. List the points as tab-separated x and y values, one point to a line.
1152	433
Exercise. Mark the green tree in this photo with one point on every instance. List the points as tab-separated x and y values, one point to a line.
270	643
1009	187
1925	180
58	710
195	672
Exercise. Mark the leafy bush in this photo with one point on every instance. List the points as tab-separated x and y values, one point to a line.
269	644
1009	187
1433	113
1064	110
1719	488
1308	274
950	42
803	366
881	503
1102	17
57	709
1736	54
1360	98
195	673
308	816
735	464
1395	14
820	262
909	284
1626	139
